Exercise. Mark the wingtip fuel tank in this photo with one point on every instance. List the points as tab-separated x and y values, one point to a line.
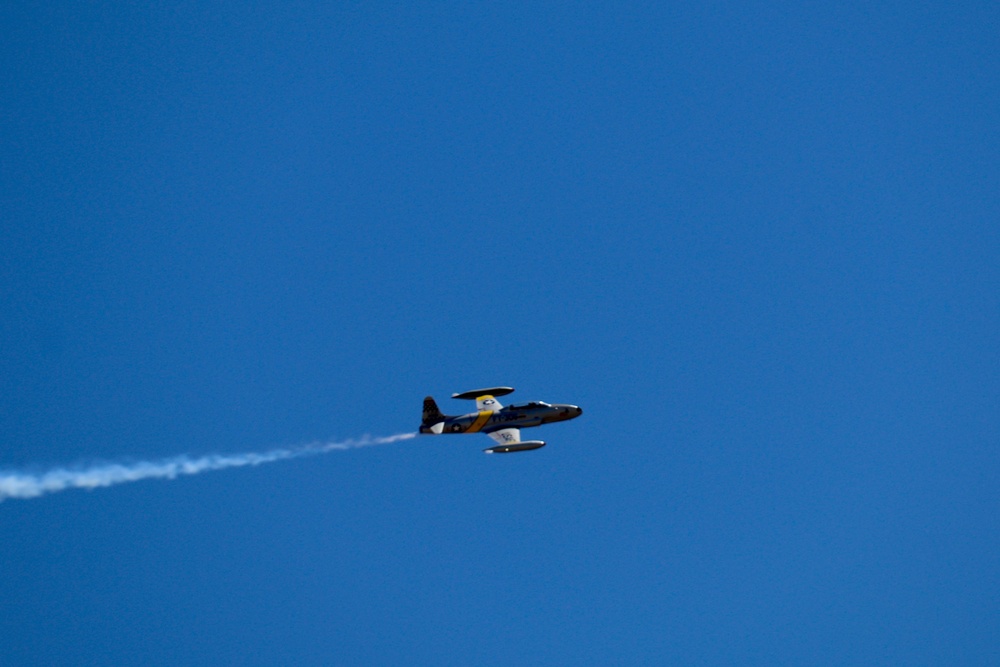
523	446
489	391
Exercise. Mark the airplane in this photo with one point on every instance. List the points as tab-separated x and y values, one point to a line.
503	424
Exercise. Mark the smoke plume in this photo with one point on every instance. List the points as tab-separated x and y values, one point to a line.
15	484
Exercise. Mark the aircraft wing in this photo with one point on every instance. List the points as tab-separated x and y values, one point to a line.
509	440
506	436
487	402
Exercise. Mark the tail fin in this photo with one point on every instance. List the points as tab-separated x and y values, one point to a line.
432	415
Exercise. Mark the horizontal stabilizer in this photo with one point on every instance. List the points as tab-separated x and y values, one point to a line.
524	446
490	391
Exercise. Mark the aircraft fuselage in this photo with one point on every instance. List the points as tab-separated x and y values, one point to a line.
513	416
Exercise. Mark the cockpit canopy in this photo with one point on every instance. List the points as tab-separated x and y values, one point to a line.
525	406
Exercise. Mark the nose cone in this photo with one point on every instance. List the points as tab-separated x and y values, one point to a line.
572	411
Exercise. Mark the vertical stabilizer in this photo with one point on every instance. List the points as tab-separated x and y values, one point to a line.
432	414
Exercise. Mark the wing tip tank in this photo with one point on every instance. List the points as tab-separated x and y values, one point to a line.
489	391
524	446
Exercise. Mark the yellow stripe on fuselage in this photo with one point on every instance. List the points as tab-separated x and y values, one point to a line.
484	416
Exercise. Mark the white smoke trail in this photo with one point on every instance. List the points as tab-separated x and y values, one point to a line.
15	484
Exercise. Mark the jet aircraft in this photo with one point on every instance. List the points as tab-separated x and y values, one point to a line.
503	424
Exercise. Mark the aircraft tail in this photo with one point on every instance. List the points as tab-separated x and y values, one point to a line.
432	414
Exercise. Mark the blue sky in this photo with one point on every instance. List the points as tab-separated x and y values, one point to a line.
759	244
